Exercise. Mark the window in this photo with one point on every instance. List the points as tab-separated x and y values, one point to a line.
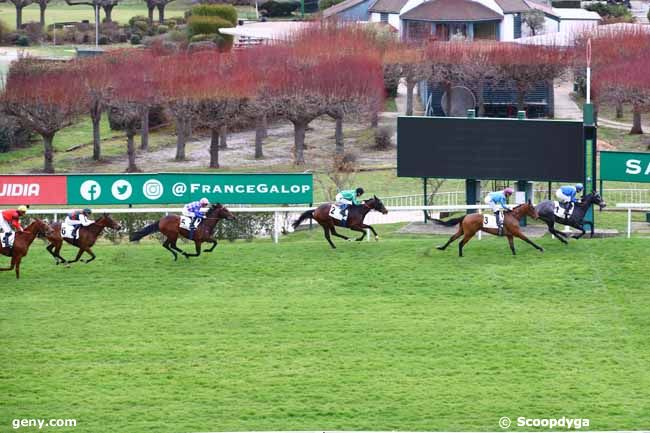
383	17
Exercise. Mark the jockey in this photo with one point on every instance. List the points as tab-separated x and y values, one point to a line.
567	195
498	202
193	210
346	198
10	220
78	219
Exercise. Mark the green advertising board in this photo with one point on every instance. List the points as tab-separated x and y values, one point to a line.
625	166
173	188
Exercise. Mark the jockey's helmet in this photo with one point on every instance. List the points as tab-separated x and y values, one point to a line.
508	191
579	187
204	201
87	211
22	209
360	191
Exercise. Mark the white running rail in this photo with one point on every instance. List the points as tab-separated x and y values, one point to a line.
630	207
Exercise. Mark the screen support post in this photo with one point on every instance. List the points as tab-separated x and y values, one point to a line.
472	186
590	176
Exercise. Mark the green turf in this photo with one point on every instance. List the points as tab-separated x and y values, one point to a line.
295	336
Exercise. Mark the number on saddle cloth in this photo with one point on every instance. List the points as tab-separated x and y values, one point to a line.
7	241
560	210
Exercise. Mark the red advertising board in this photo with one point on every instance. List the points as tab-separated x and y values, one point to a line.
17	190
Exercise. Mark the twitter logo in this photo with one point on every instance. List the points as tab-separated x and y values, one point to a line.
122	189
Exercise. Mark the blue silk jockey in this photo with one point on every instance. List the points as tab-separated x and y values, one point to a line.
498	202
567	195
345	199
78	219
193	210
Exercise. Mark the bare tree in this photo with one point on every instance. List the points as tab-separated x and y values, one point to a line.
535	20
20	5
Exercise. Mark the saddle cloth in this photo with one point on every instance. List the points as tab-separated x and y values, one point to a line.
10	241
490	222
560	212
186	222
335	212
67	231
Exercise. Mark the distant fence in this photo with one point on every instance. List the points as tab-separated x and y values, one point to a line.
631	207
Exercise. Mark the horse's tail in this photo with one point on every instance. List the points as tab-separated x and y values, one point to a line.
451	222
151	228
303	216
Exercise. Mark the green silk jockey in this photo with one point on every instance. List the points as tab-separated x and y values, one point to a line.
347	198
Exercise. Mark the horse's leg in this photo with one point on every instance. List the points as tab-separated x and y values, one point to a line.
465	240
58	244
50	249
558	234
166	246
334	232
583	232
18	259
327	236
92	256
197	246
523	237
358	229
213	241
455	236
76	259
511	242
11	267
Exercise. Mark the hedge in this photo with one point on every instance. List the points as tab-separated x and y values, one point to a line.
227	12
274	8
197	25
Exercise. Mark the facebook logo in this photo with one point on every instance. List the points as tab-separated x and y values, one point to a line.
90	190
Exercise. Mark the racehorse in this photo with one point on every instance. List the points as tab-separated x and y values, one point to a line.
22	241
170	227
356	215
546	211
87	236
472	223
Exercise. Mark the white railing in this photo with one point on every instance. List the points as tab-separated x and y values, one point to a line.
282	216
630	207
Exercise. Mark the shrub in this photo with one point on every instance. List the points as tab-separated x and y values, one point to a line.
227	12
137	18
162	29
197	25
324	4
22	41
33	31
608	11
140	27
175	21
135	39
274	8
12	134
383	138
346	163
176	36
203	38
103	40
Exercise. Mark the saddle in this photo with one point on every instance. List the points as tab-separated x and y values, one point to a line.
9	242
337	213
186	222
68	231
490	222
560	211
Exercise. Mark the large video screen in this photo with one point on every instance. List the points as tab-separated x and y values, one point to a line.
458	148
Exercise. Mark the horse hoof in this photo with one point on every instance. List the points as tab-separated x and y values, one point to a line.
349	240
441	248
541	250
376	238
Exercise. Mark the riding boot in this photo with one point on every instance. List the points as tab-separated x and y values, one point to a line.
6	238
499	223
75	231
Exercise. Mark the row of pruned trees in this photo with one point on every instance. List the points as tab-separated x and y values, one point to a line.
105	5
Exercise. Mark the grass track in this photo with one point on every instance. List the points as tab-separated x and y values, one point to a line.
299	337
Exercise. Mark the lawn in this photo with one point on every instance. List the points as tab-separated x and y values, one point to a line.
295	336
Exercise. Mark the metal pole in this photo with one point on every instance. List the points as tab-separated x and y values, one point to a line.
629	222
276	223
96	24
424	188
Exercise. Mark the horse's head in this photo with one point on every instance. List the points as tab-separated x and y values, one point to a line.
527	209
109	222
39	228
375	204
595	198
218	210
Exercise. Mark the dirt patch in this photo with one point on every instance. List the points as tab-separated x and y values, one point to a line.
604	145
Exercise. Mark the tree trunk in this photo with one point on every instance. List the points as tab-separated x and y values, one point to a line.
130	150
188	129
521	99
265	127
481	98
48	153
338	136
374	120
299	129
161	13
619	110
42	5
409	97
448	100
108	11
97	145
150	9
144	133
636	122
180	139
214	148
259	137
19	17
223	137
